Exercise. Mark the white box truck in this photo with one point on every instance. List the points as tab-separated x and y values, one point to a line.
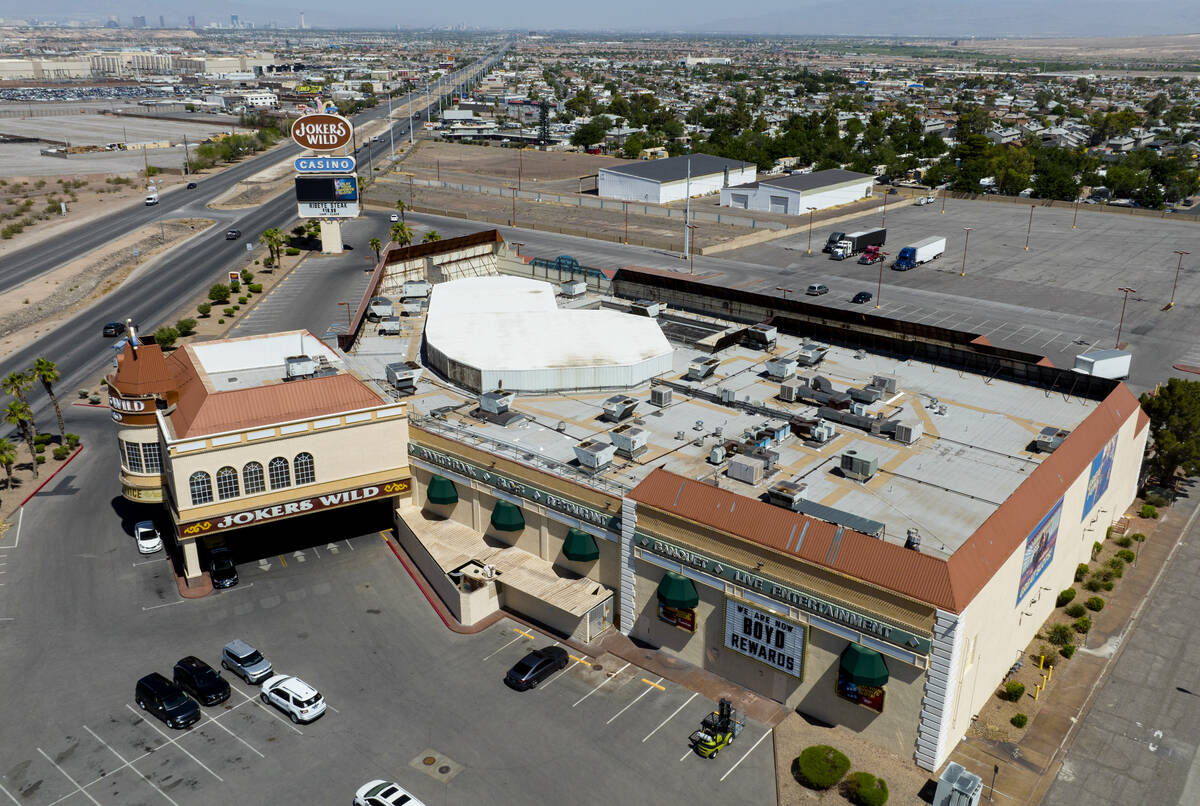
1104	363
922	251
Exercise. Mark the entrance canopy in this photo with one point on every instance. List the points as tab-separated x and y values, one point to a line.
676	590
864	667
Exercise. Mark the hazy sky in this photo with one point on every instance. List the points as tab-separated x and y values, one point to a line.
954	18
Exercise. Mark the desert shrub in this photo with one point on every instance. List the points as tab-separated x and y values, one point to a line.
41	458
1126	555
1094	603
1138	537
1094	584
1076	610
1067	651
864	789
1148	511
220	321
72	439
1124	541
39	448
1013	690
43	439
219	292
247	275
255	288
1064	597
229	311
1107	585
821	766
61	452
165	336
1081	572
1156	500
1117	565
186	327
291	251
1019	720
243	300
1096	548
1082	625
1060	635
204	308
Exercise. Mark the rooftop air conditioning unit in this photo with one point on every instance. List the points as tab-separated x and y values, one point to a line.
496	402
717	454
660	396
594	454
701	368
629	439
646	307
810	353
404	375
1050	438
781	369
859	466
913	540
728	396
787	494
415	289
888	383
909	432
573	288
789	391
299	366
859	409
823	431
618	407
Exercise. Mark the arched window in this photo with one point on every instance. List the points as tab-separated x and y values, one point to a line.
279	473
200	485
252	478
303	465
227	483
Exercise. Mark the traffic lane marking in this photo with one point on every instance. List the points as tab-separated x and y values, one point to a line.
649	687
175	741
78	788
672	716
748	752
128	764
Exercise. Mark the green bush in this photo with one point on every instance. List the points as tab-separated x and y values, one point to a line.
1117	565
1138	537
219	292
1126	555
1147	511
821	766
247	275
1081	572
43	439
1106	585
255	288
1094	603
41	459
186	327
220	321
72	440
1067	651
1019	720
1013	690
1124	541
39	447
1064	597
1096	548
165	336
229	311
1156	500
291	251
243	300
1082	625
268	262
1060	635
204	309
61	452
1094	584
864	789
1076	610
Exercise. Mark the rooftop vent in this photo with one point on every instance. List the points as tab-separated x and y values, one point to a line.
1050	438
646	307
660	396
496	402
913	540
573	288
701	368
618	407
781	368
594	454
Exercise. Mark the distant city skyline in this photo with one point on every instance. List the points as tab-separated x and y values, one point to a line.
916	18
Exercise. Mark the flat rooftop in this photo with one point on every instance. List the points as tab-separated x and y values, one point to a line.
976	440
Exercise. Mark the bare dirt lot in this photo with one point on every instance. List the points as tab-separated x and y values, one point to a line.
1178	47
554	169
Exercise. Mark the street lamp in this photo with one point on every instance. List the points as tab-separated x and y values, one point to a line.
943	198
1127	291
811	210
1075	218
692	248
1029	228
879	287
518	244
1174	285
966	240
391	128
883	222
785	291
513	221
626	204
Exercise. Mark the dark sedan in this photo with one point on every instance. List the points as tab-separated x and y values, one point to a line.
201	681
114	329
536	667
862	297
222	571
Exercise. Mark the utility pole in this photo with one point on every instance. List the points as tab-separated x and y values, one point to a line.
627	224
1174	285
811	210
1029	228
966	240
1120	325
187	161
879	287
410	131
1075	218
687	210
146	164
391	127
692	252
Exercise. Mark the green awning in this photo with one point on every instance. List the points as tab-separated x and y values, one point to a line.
580	546
864	667
441	491
507	518
676	590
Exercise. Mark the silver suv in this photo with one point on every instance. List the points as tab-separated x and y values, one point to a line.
245	661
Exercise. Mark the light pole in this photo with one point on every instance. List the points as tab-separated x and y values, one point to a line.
1075	218
879	287
626	204
1175	284
811	210
520	164
1127	291
692	248
1029	228
943	199
513	221
785	291
883	221
391	128
410	131
966	240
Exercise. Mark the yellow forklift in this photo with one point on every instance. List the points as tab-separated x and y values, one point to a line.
717	730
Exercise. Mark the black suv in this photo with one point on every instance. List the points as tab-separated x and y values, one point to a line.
201	681
232	234
165	700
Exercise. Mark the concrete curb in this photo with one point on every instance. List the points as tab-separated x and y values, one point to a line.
49	478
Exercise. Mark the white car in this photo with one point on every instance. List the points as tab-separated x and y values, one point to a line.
384	793
294	697
923	200
148	539
394	217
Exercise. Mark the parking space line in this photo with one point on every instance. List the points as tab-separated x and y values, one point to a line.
635	699
234	735
684	757
147	562
282	560
513	641
17	536
164	604
79	788
1056	335
10	797
129	764
565	669
264	707
748	752
1032	336
169	740
601	685
672	716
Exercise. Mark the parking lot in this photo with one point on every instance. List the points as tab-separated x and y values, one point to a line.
408	699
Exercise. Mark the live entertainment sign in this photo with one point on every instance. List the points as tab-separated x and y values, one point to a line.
765	637
302	506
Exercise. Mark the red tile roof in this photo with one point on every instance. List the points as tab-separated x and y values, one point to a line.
142	371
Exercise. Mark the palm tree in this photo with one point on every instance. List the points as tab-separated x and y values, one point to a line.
273	240
401	234
17	384
8	458
401	206
376	245
46	371
18	414
432	235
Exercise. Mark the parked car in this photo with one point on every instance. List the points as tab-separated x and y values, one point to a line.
384	793
191	186
232	234
300	701
536	667
862	297
394	217
167	701
201	681
147	537
221	569
921	201
245	661
817	289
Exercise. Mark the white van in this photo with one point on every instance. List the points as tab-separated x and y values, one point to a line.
151	198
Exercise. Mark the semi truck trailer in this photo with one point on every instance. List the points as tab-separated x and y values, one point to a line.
922	251
852	243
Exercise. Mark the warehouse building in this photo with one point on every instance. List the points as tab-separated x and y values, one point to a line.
672	179
795	194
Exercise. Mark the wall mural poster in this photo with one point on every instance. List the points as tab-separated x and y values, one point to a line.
868	696
1039	550
1098	476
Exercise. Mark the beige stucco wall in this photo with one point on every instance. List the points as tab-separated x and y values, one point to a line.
815	693
995	629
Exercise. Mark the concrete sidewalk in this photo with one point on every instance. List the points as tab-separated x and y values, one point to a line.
1025	770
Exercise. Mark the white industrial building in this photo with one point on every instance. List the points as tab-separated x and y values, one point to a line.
793	194
487	333
673	179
